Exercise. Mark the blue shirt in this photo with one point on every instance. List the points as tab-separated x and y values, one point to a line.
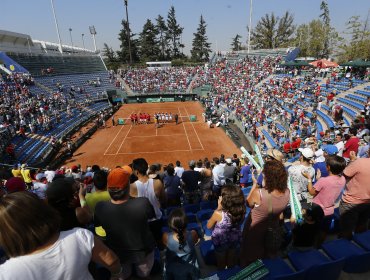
244	173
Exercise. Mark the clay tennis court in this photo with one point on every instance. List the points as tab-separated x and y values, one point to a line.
119	145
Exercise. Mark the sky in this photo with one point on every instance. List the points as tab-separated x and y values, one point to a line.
224	18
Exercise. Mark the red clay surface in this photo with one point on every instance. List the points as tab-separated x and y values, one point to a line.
121	144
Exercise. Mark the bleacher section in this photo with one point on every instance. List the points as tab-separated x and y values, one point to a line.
62	64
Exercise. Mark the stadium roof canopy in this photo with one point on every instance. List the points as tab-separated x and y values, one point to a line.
357	63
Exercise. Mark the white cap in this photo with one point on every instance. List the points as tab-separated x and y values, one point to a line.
306	152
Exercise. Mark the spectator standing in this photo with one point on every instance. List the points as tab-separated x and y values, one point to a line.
339	144
229	171
244	173
190	179
218	176
354	207
40	185
125	221
295	172
179	169
172	188
153	190
274	194
49	173
225	222
26	174
352	143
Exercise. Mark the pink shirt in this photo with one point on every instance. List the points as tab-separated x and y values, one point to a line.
328	188
357	190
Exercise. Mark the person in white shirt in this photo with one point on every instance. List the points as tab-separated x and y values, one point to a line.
179	169
218	176
339	144
30	237
50	174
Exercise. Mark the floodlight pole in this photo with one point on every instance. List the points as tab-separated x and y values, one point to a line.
56	26
128	32
70	35
83	41
250	25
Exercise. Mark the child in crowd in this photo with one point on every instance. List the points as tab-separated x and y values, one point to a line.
225	222
181	261
305	236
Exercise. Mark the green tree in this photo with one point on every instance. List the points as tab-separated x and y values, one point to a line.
358	46
273	32
108	53
123	53
174	32
327	29
201	46
148	43
236	44
162	37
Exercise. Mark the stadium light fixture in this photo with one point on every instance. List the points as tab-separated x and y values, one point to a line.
83	41
70	35
56	26
250	25
93	33
128	31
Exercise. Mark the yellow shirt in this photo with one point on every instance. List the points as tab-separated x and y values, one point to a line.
26	175
91	200
17	173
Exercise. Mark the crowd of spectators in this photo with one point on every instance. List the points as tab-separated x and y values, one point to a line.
174	79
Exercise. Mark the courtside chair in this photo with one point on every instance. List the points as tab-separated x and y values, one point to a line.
363	239
279	269
357	260
317	265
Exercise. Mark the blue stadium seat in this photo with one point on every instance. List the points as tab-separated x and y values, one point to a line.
279	269
357	260
191	208
208	205
207	252
204	215
363	239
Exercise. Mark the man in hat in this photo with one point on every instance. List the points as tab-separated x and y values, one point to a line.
125	221
321	156
229	170
295	172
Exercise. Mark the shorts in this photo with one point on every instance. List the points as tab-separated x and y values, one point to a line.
143	267
353	215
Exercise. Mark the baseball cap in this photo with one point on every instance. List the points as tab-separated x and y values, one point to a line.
118	178
276	154
39	176
322	133
330	149
15	184
306	152
127	169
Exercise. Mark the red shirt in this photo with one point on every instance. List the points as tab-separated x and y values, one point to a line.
351	145
287	147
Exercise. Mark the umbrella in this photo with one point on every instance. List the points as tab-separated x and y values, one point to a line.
323	63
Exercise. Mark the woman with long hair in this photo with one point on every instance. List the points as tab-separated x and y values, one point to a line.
181	261
225	222
267	204
30	237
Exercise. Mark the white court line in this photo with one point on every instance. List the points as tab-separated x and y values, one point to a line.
166	151
187	137
194	130
140	136
114	138
124	140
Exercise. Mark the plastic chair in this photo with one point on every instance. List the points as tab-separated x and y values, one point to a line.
226	273
207	251
363	239
357	260
204	215
192	208
317	265
208	205
279	269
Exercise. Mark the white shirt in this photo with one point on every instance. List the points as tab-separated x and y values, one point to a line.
179	170
49	175
218	175
340	147
67	258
